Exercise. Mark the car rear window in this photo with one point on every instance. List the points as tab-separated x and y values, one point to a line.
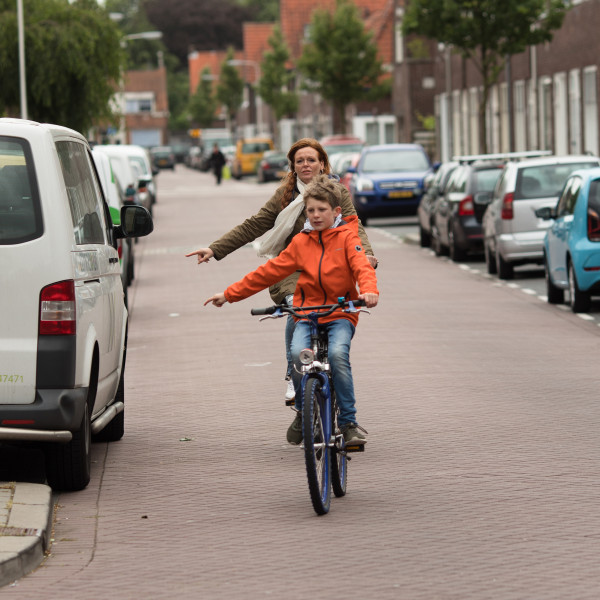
594	207
394	161
485	180
20	212
545	181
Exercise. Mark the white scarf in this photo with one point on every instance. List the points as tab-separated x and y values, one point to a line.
273	242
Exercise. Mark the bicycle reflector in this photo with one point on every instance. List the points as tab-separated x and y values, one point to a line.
306	356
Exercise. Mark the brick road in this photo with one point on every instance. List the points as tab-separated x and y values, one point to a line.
481	477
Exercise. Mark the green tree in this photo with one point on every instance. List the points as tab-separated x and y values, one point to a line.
203	103
230	90
276	80
340	60
73	61
487	32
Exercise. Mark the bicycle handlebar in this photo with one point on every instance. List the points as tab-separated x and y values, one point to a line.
302	311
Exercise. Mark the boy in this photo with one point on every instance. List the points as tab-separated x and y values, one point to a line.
329	255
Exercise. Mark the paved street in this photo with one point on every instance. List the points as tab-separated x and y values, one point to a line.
481	475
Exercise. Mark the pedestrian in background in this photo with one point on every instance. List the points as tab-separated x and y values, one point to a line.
217	162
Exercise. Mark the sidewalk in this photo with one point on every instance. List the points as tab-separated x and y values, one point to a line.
25	527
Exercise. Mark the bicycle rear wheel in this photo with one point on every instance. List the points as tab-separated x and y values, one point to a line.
316	451
339	461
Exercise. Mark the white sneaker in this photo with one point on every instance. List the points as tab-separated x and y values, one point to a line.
290	392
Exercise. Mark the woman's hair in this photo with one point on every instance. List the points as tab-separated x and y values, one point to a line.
289	182
324	189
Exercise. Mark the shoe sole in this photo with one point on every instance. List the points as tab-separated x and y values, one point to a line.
355	442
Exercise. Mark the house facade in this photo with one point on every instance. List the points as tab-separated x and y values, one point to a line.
546	98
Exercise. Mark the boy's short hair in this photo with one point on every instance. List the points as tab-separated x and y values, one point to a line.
325	189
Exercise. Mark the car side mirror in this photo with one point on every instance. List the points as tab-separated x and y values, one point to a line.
155	171
136	221
483	198
546	213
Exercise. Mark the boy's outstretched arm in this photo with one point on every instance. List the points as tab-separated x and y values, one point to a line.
217	300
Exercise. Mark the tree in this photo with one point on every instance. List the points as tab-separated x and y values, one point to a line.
73	60
203	103
276	81
230	89
206	25
340	60
487	32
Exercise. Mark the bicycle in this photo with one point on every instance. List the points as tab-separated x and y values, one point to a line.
325	452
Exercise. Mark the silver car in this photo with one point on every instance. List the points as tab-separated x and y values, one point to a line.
513	234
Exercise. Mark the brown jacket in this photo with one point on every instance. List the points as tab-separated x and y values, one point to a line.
257	225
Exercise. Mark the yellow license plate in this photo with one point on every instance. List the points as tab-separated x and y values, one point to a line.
400	194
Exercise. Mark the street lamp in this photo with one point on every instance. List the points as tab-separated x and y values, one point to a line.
239	62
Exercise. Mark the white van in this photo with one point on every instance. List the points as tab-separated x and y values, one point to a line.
64	331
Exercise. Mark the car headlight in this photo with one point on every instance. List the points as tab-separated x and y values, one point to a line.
306	356
364	185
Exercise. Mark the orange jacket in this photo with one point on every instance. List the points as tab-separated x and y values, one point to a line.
331	263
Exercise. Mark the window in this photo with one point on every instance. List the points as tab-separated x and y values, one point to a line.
84	193
20	213
566	204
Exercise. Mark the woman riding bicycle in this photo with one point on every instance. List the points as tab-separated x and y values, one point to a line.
331	260
280	217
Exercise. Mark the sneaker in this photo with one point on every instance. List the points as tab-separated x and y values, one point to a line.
353	436
294	432
290	393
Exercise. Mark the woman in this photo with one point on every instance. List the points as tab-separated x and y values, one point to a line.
283	217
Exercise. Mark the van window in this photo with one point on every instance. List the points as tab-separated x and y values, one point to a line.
84	193
545	181
255	147
20	212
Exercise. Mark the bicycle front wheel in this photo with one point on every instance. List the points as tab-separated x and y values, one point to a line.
316	450
339	461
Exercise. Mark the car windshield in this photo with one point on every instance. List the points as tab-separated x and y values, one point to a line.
337	148
545	181
20	216
252	147
394	161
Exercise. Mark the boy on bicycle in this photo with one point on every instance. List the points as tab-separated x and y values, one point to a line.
331	260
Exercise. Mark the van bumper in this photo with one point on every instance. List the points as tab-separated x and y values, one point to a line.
52	417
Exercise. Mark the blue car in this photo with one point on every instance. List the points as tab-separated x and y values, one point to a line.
572	243
389	180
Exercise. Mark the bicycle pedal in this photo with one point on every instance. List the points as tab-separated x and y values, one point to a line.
291	402
357	448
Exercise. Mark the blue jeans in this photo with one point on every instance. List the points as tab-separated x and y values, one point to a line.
339	334
289	333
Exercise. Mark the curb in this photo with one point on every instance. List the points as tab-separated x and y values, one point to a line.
26	512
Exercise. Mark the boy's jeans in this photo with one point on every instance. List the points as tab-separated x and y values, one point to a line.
289	333
340	333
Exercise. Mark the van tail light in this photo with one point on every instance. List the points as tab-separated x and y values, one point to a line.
142	189
120	249
57	309
466	207
593	225
507	207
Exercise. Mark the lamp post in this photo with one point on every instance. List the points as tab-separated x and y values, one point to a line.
22	81
239	62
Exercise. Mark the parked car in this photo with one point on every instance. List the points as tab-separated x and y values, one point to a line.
513	233
248	153
456	226
389	180
348	163
193	158
334	144
572	243
163	157
62	345
435	191
129	173
272	167
139	157
114	196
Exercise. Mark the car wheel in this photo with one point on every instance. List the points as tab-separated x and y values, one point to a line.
424	237
456	254
580	301
554	294
490	260
362	217
68	466
505	269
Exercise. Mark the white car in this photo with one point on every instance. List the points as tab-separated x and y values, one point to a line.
114	195
129	172
64	331
512	232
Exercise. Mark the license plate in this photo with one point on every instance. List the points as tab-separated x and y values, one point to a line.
401	194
